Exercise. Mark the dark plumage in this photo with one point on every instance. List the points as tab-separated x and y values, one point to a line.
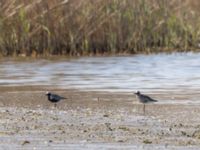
54	98
144	99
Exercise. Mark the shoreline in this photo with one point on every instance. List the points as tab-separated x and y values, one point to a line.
82	121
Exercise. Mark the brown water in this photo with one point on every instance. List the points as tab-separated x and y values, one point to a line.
179	71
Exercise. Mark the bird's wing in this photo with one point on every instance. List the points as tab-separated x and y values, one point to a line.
59	97
147	98
153	100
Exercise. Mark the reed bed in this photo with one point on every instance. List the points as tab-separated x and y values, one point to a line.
93	27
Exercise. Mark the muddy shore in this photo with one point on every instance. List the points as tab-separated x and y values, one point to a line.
97	120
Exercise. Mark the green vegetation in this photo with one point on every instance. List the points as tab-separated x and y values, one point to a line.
85	27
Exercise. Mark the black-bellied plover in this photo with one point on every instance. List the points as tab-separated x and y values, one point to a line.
54	98
144	99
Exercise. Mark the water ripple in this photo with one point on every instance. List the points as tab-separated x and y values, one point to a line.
149	72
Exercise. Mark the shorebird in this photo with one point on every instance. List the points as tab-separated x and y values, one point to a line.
54	98
144	99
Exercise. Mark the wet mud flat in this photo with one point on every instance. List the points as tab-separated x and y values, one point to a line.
96	120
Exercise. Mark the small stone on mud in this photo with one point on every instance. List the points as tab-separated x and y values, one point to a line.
183	133
147	141
196	134
108	126
124	128
105	115
50	141
25	142
120	141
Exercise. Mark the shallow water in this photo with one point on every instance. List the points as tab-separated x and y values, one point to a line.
178	71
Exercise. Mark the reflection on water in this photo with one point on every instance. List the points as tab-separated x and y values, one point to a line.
147	72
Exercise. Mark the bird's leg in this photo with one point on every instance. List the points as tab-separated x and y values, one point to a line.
55	105
144	109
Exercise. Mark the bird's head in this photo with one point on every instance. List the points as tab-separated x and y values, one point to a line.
48	93
137	93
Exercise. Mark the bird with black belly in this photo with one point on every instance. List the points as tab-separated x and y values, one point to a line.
54	98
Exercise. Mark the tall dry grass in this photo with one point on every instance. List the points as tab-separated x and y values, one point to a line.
83	27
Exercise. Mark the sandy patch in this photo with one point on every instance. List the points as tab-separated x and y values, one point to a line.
115	120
